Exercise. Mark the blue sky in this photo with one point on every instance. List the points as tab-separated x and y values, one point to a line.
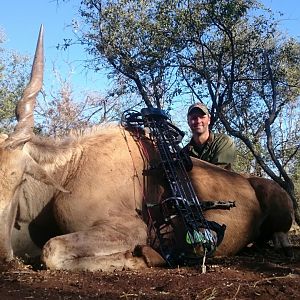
20	20
290	22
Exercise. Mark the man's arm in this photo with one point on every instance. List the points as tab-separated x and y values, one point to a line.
224	150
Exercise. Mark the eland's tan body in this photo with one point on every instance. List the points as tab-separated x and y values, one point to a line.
79	201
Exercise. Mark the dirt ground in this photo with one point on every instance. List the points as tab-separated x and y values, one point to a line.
254	274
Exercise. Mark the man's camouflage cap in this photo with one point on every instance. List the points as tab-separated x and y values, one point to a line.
200	106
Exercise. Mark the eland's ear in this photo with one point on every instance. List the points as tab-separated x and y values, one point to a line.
38	173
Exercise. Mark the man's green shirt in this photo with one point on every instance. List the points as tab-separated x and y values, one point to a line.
219	149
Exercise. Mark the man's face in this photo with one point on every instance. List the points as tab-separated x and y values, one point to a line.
198	121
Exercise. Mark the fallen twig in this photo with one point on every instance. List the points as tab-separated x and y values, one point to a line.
290	275
237	291
126	295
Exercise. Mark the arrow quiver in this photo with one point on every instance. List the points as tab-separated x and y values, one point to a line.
181	232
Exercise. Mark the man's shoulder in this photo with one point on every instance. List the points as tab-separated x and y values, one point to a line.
222	138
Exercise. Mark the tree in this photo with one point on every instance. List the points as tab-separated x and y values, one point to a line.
59	113
60	110
14	72
222	52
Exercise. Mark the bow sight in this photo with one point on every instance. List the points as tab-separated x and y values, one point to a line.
182	233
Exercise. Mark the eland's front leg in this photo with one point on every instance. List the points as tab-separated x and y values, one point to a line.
105	247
